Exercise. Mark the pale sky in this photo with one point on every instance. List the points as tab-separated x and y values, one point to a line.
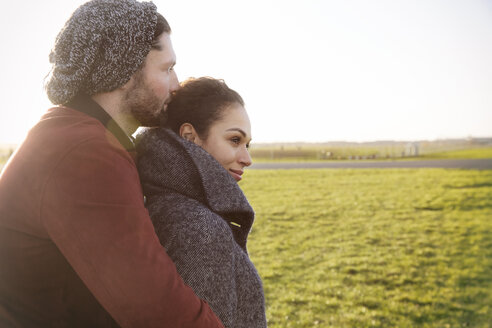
311	70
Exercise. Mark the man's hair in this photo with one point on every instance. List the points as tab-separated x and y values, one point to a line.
200	102
162	26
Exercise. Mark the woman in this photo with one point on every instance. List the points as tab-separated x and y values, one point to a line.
189	172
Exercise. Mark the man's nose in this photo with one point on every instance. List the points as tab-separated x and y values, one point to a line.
174	85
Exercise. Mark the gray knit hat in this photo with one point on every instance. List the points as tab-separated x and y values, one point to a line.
100	47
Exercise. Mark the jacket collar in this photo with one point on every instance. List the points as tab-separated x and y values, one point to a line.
169	163
85	104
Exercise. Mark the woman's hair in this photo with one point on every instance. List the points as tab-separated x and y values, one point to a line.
200	102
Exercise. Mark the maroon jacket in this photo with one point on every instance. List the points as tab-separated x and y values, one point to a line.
77	247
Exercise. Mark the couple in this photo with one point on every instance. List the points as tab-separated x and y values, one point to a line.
78	247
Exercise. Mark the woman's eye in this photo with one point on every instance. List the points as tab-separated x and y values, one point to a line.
236	140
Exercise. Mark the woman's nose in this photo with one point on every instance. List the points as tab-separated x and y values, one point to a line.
245	157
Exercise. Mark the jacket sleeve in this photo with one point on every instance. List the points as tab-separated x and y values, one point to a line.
92	209
202	247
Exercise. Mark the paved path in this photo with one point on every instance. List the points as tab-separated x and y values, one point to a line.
477	164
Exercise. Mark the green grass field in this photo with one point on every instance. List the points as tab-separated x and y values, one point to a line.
373	248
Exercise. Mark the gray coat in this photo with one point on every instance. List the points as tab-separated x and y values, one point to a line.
196	207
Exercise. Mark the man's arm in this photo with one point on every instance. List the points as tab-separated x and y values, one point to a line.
93	210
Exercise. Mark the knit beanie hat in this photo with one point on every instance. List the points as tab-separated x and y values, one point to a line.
100	47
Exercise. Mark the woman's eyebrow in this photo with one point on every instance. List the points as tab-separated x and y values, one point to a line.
238	130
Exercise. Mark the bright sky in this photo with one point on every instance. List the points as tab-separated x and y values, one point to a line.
311	70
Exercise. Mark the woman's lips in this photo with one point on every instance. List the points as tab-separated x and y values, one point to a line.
236	174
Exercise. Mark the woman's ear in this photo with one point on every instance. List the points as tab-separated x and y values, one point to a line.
187	131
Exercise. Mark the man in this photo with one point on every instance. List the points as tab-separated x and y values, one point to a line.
77	247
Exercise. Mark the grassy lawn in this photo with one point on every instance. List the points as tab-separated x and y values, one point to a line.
373	247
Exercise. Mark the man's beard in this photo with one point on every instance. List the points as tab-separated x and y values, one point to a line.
144	105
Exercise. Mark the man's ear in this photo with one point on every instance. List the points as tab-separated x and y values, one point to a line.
128	85
187	131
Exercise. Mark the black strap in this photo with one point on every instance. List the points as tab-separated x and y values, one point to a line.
85	104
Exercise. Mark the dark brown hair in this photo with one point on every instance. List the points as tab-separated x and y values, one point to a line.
200	102
162	26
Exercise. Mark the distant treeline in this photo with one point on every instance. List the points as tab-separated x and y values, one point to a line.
362	151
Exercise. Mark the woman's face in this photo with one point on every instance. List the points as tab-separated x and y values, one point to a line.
228	140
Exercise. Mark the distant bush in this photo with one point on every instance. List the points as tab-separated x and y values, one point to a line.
324	153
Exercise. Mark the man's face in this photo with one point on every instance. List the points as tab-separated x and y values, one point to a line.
151	87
